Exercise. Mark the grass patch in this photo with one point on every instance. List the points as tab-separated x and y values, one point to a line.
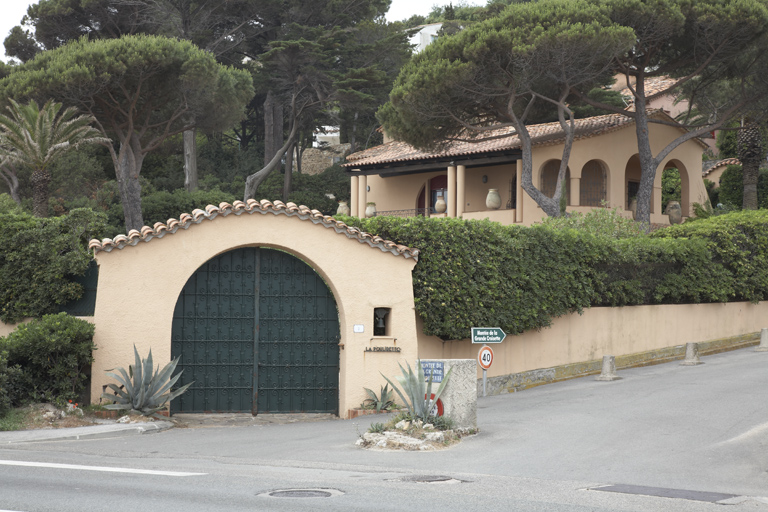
13	420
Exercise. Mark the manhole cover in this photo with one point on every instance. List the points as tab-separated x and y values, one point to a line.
431	479
302	493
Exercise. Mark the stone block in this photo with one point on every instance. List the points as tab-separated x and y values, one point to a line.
460	394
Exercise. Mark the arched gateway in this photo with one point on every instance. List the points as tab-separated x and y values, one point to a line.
270	306
256	330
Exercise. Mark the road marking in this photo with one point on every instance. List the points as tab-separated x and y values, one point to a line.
753	432
96	468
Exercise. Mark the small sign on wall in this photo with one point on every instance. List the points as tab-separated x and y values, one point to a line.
358	328
434	368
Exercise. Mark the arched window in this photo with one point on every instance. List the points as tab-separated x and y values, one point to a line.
549	179
592	191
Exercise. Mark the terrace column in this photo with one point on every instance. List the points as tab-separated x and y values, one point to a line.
461	199
353	196
451	199
575	191
362	195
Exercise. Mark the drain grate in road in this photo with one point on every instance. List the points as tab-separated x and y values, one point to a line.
682	494
302	493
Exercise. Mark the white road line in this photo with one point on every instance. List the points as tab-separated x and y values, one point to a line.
95	468
755	431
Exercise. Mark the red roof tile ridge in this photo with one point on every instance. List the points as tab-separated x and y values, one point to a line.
185	220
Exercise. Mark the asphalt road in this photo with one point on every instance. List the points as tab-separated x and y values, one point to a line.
669	437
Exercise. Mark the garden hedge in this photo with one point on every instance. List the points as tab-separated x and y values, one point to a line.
39	258
480	273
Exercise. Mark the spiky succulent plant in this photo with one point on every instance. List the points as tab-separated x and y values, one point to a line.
382	401
141	391
417	391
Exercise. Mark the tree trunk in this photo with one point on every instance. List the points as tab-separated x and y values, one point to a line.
353	135
269	128
648	164
288	172
751	154
127	170
253	181
190	160
41	178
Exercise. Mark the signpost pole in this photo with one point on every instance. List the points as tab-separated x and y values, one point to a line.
485	374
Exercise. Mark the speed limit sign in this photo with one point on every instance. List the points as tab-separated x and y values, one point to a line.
485	357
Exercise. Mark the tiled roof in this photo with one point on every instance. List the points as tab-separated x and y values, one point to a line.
186	220
711	165
541	134
653	86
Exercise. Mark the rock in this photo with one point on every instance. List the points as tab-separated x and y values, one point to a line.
124	419
428	426
403	425
437	437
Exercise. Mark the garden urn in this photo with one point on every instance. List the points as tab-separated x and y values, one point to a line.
675	212
493	200
370	210
343	208
440	205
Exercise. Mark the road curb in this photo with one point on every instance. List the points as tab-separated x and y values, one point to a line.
78	433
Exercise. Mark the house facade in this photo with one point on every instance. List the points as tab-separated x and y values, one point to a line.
603	171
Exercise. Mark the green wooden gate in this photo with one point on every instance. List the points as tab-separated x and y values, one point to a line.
257	330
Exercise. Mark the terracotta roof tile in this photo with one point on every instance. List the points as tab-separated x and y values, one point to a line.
711	165
653	86
541	135
210	212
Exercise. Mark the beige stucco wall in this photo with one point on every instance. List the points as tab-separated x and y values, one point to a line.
139	286
5	329
615	150
607	331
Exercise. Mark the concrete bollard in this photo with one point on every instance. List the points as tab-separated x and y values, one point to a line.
763	347
608	372
691	355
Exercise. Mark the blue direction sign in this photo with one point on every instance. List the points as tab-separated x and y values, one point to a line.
488	335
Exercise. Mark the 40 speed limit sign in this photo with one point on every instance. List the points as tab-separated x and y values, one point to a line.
485	357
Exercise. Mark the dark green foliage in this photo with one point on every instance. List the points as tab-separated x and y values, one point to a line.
732	187
310	190
737	243
38	258
9	377
54	353
474	273
671	188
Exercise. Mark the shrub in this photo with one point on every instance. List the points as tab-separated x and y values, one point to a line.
732	187
40	257
473	273
738	243
55	352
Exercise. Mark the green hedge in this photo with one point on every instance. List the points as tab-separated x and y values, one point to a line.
480	273
737	244
54	353
39	257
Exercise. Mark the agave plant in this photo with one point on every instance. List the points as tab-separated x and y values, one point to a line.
418	390
140	390
381	401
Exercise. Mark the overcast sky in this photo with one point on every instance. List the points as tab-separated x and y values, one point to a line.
11	12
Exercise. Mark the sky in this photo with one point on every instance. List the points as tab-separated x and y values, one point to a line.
11	12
